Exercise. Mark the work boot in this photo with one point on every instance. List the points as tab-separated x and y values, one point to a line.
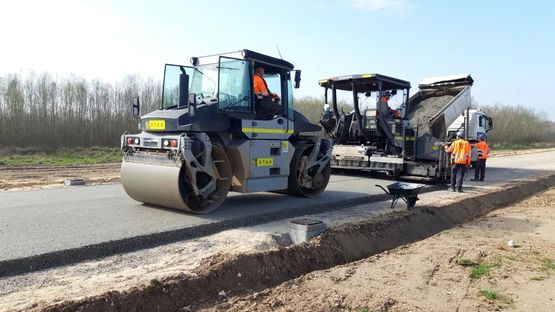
453	189
474	180
460	191
481	180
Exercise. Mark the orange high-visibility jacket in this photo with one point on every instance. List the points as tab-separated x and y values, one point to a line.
460	152
483	149
259	85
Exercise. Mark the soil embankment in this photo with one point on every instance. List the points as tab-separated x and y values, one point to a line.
467	268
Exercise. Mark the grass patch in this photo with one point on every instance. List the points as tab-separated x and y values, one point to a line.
482	269
61	156
489	293
522	146
538	278
548	264
479	269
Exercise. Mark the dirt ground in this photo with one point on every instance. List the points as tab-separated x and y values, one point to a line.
469	268
503	153
21	178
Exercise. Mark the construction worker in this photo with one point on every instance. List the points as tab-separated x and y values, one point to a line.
460	159
483	152
384	105
260	87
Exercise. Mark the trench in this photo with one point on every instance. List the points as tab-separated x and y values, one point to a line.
241	274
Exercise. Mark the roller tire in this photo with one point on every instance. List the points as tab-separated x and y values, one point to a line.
199	205
293	186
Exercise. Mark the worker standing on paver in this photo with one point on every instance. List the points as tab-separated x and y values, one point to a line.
460	159
483	152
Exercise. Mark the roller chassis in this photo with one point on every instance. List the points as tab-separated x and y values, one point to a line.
197	173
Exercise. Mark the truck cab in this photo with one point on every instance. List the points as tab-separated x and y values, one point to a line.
479	124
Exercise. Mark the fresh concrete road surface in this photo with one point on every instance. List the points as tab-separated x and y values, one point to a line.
51	221
47	220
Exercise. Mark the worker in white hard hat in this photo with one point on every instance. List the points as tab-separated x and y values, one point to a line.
483	153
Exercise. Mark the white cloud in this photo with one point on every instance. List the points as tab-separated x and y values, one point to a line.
399	7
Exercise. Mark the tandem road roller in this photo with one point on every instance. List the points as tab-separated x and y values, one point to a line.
213	135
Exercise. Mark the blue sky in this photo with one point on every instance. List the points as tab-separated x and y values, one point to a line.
507	46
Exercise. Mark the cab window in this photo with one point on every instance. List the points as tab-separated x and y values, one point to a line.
233	85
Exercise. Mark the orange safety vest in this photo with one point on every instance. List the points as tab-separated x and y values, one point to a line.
460	152
483	150
259	85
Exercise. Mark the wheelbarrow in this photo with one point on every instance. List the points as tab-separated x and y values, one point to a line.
408	192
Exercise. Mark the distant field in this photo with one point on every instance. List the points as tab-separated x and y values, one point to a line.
59	157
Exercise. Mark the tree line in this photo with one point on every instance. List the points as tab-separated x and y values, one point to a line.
41	110
519	125
45	111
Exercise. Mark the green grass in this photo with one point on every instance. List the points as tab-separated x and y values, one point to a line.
548	264
481	269
538	278
60	157
490	294
523	146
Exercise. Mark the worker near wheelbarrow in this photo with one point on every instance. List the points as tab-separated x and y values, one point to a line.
460	159
483	152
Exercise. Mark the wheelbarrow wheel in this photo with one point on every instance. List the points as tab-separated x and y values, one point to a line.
411	202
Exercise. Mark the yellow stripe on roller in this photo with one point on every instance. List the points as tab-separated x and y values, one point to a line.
367	75
265	130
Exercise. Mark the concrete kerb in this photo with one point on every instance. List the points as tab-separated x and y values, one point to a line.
344	244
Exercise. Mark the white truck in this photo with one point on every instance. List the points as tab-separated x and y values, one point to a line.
479	124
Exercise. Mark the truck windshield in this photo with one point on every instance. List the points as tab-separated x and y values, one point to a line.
203	81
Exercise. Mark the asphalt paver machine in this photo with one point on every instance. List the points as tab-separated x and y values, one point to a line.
405	142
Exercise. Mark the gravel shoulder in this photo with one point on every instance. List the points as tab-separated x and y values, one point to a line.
469	268
33	177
